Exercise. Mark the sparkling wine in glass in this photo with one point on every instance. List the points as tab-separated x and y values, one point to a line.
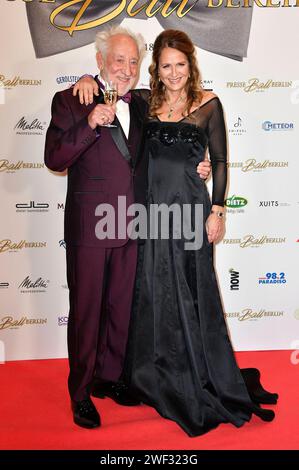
110	97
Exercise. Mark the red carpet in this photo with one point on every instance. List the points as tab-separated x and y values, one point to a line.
35	413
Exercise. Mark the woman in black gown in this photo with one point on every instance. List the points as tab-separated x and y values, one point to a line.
180	359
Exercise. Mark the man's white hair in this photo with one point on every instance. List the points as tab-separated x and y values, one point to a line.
102	39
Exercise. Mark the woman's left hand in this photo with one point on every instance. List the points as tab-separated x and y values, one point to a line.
215	227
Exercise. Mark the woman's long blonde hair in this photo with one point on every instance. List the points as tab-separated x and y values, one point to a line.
180	41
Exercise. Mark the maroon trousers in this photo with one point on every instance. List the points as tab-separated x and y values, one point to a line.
101	284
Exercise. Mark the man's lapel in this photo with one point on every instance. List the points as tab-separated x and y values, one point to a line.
136	127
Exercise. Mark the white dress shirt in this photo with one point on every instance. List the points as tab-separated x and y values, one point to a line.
123	115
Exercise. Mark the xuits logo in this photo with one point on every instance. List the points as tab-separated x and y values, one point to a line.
253	165
273	278
8	245
9	83
277	126
4	285
250	314
255	85
32	127
238	127
7	166
32	206
33	287
63	320
235	204
234	279
8	322
267	204
67	79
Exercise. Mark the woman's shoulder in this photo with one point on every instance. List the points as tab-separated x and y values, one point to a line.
208	96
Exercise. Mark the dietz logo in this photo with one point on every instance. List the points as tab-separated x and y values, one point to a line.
234	279
235	202
273	278
277	126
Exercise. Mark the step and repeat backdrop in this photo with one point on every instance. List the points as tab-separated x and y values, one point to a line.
249	57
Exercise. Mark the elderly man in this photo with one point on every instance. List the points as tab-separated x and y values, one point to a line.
103	163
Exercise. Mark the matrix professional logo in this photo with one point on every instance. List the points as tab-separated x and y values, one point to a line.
277	126
273	278
234	279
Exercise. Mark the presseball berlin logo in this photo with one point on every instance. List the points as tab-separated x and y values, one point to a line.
9	322
12	82
256	85
251	164
13	167
253	241
277	126
251	314
7	245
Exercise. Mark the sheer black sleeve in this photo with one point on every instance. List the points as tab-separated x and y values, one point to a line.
218	151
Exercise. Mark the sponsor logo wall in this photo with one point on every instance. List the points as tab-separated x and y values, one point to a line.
258	259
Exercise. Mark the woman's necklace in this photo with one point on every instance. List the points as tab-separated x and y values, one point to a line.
172	107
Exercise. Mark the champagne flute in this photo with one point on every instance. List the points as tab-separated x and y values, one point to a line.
110	97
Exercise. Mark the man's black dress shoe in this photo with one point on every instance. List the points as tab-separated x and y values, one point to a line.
118	391
85	414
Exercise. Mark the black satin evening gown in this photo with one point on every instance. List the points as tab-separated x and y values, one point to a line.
180	359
